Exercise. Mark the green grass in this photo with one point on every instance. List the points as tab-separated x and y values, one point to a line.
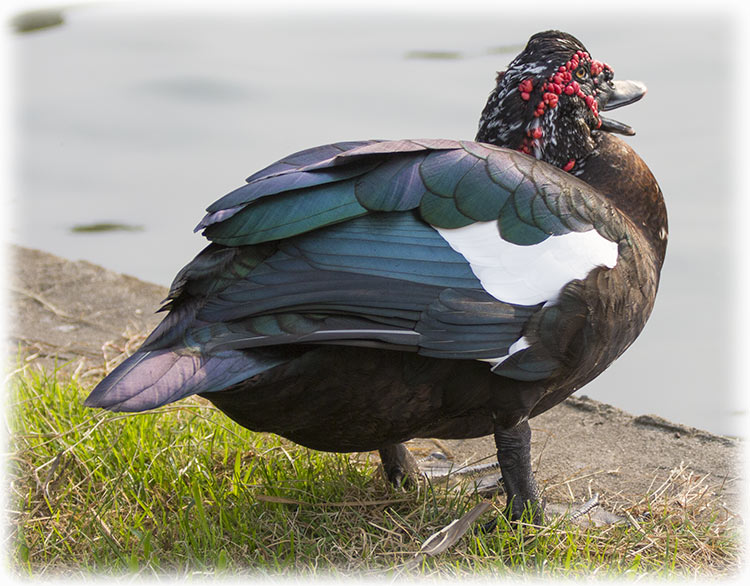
184	491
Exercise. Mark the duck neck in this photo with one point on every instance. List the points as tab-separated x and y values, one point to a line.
614	169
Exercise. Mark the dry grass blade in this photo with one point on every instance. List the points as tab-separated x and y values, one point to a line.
115	352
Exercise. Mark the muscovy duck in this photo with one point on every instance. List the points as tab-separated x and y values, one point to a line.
360	294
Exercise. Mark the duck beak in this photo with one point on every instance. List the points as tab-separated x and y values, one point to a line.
609	125
621	93
614	95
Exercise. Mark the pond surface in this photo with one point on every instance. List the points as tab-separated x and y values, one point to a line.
136	120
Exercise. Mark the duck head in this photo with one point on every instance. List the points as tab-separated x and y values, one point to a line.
547	103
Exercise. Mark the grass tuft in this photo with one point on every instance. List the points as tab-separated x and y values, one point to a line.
184	491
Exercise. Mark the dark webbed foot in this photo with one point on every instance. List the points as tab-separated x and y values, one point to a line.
514	455
399	465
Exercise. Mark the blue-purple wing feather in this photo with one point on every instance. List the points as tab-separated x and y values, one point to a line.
149	379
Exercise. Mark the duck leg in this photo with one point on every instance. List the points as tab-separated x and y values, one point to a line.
514	455
399	465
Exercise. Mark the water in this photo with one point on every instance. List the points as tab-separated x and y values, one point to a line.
139	119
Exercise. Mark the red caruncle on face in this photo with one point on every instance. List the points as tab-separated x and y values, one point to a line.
562	82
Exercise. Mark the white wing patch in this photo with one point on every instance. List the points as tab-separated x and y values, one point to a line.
516	346
527	275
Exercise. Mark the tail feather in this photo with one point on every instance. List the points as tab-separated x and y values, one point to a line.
149	379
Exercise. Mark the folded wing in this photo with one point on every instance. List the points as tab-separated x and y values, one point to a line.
443	248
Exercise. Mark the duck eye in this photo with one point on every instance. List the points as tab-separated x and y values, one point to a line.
581	72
